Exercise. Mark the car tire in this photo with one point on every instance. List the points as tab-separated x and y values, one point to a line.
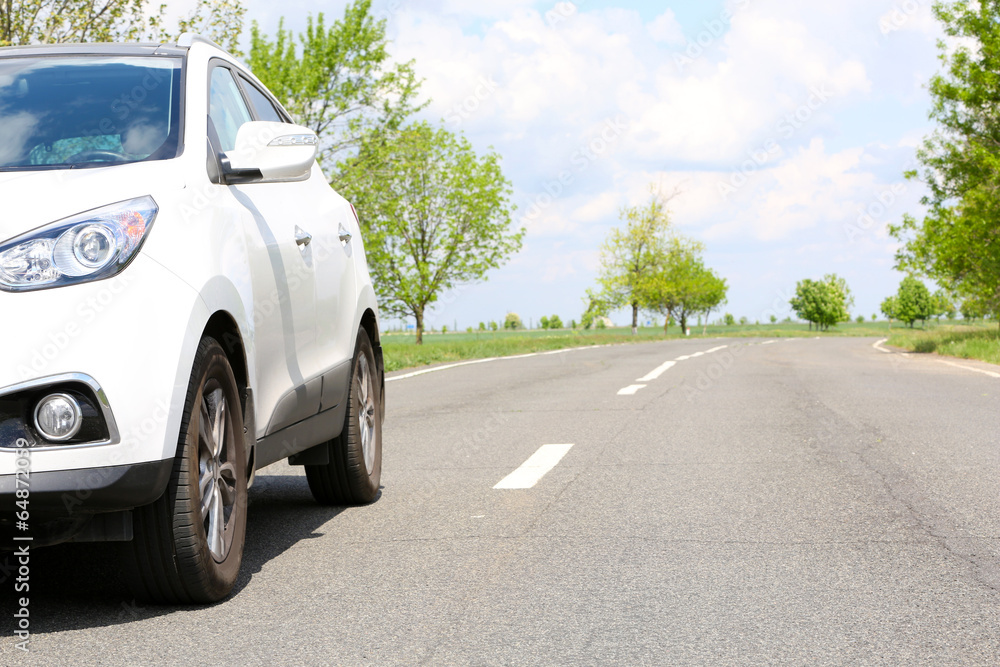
188	545
355	469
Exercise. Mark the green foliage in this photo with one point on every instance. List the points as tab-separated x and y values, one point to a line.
513	322
942	304
339	82
860	319
555	322
889	308
913	301
729	319
972	309
631	256
601	323
572	324
444	329
544	322
956	243
482	326
219	20
774	318
58	21
493	325
597	308
681	285
436	216
824	303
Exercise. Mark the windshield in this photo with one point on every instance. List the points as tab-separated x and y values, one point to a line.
69	112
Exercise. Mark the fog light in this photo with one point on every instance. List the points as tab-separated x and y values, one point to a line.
58	417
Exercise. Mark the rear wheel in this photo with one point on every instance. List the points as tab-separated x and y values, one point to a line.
188	545
352	476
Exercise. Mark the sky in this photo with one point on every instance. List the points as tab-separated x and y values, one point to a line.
783	126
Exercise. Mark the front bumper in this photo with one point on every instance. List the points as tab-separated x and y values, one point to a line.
67	493
134	334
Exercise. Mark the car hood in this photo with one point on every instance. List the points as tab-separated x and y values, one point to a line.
32	199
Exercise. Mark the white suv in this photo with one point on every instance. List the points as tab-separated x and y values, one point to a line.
184	301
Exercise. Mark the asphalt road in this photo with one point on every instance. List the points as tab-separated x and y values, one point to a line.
789	502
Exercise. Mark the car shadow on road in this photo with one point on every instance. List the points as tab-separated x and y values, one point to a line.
81	586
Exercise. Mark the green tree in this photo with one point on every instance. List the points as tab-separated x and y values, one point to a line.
913	301
513	322
493	325
942	305
339	82
436	216
729	319
597	308
824	303
544	322
889	308
681	285
972	309
956	243
555	322
631	256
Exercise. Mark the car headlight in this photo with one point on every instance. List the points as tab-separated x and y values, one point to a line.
90	246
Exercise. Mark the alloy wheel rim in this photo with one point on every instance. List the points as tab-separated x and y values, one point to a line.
216	472
366	413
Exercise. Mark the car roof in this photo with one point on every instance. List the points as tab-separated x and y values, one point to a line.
103	49
94	49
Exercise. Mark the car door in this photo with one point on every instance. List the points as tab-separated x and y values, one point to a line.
284	282
334	230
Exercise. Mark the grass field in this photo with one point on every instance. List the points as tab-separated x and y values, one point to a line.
401	350
964	341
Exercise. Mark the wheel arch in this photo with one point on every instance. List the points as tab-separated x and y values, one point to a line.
223	328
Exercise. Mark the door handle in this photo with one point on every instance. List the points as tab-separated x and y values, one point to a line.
302	237
345	236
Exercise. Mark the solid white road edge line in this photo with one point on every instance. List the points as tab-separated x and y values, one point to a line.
631	389
969	368
482	361
657	372
716	349
532	470
878	346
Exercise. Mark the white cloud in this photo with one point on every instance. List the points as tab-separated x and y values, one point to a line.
560	77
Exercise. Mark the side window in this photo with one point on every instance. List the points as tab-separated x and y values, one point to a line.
226	107
261	104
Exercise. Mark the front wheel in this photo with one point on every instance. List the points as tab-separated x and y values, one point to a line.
355	469
188	545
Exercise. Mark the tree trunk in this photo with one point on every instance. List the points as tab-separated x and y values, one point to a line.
635	318
419	315
684	325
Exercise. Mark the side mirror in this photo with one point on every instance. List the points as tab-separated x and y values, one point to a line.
269	152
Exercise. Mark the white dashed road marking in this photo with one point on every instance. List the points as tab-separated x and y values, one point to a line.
652	375
631	389
532	470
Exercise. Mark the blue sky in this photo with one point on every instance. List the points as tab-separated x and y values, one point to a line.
780	123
